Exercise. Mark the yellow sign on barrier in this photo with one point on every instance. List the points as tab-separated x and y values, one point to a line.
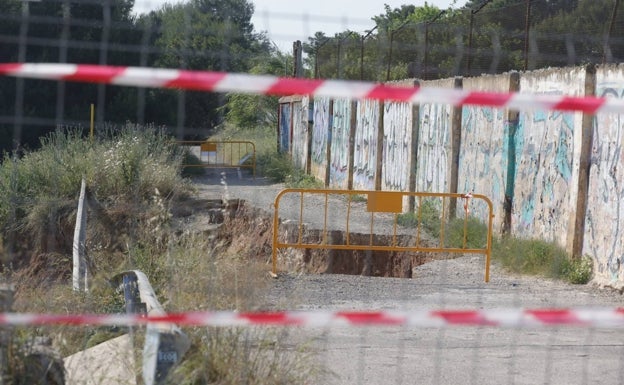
208	147
384	202
439	222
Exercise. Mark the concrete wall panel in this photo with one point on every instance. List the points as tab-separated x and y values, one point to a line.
604	221
547	173
340	144
434	143
320	130
299	150
396	146
283	132
536	157
365	156
483	153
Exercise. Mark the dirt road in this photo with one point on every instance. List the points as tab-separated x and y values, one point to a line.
448	355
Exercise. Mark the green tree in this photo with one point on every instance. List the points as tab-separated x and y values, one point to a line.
212	35
249	111
318	53
58	31
407	32
577	35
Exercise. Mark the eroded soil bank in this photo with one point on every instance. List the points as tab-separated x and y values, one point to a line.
248	232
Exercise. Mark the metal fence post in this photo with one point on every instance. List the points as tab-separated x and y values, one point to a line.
79	276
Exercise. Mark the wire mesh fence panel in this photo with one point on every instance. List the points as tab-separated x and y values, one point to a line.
177	259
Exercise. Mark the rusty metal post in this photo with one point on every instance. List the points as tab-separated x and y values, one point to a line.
329	143
411	202
576	232
352	132
513	119
456	130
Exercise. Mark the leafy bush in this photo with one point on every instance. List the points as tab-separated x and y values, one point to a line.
579	270
277	167
299	179
524	256
527	256
427	216
133	175
475	233
123	167
538	257
192	164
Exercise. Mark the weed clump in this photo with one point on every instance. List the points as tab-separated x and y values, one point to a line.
523	256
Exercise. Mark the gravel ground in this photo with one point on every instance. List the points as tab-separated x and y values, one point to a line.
449	355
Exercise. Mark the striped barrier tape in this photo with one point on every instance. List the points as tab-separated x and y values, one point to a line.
271	85
506	318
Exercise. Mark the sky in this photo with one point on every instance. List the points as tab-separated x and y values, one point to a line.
286	21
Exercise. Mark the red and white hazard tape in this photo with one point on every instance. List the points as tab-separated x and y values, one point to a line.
506	318
271	85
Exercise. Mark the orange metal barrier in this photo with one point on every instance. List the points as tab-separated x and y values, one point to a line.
222	154
375	213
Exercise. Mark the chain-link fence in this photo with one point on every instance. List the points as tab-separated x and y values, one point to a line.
120	90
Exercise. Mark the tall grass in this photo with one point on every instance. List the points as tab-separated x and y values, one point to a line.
518	255
197	278
539	257
427	216
130	164
133	176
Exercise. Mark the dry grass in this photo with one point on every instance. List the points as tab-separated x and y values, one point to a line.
134	186
188	275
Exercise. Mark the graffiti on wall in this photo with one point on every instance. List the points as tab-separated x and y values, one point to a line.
545	142
482	158
434	148
539	171
320	129
365	142
397	146
300	133
604	221
340	143
284	127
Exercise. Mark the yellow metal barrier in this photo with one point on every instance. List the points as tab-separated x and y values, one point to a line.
375	213
222	154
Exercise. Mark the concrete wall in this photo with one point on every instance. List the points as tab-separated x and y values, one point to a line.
299	149
548	142
365	145
283	132
604	222
340	124
396	146
397	143
434	143
551	175
320	137
484	150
